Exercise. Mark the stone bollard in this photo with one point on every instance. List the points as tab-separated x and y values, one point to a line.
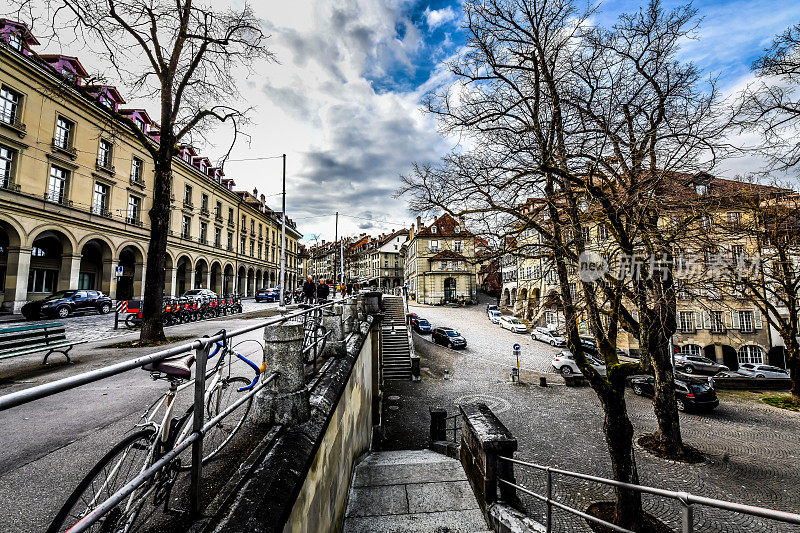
285	399
350	317
334	325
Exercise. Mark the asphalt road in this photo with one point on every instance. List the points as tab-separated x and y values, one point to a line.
49	444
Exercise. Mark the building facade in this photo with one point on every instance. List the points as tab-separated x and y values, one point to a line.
440	265
76	186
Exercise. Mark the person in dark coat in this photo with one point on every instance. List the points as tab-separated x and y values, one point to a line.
309	290
322	291
349	289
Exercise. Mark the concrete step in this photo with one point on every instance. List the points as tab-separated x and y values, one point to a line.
415	491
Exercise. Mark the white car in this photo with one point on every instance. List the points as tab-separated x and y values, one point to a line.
547	335
514	324
753	370
494	316
564	363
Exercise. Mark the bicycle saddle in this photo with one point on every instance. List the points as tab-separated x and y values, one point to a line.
179	367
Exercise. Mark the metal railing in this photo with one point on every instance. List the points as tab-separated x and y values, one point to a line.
201	347
455	429
686	499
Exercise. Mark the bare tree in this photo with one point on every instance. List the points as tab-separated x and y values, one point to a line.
185	55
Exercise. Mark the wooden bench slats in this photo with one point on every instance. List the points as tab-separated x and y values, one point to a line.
23	340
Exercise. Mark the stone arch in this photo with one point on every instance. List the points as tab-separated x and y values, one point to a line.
522	302
131	283
750	353
259	279
251	281
729	357
216	284
201	272
228	279
184	272
241	280
272	278
54	263
776	356
142	251
68	241
506	301
96	265
14	263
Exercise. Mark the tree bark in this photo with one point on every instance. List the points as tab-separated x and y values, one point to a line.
152	324
618	432
666	410
793	363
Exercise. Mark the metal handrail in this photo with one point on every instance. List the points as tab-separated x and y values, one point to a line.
30	394
202	348
686	499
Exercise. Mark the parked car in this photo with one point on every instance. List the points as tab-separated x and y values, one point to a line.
494	315
589	346
547	335
513	323
61	304
762	371
200	294
696	364
688	396
421	325
491	307
267	295
448	337
564	363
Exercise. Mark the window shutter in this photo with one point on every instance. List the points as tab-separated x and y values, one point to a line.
735	319
757	319
698	320
706	320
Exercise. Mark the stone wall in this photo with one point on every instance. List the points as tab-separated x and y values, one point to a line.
321	504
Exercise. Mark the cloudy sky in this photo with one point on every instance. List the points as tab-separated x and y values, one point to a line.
343	99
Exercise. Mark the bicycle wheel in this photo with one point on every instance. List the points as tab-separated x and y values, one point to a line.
126	460
132	321
320	338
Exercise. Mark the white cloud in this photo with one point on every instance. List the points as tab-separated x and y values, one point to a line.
438	17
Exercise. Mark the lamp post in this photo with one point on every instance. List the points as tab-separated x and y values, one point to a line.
282	280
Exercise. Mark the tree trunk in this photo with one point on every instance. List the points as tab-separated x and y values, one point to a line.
666	411
152	324
793	364
619	439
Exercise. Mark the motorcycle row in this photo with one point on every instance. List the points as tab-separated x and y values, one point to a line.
183	310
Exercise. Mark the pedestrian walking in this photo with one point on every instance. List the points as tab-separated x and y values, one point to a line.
309	290
323	291
349	289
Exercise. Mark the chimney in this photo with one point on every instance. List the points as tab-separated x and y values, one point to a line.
419	223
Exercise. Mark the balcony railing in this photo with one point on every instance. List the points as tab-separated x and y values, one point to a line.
230	223
204	211
218	218
61	200
187	204
62	146
9	185
134	221
137	180
105	167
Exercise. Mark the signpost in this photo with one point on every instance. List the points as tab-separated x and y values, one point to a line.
515	371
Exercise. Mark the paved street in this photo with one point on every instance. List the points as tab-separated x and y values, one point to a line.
49	444
752	448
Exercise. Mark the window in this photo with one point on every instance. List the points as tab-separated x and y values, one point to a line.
737	252
186	227
106	100
218	211
204	203
252	248
746	321
136	170
260	230
700	189
751	354
217	237
602	232
58	184
252	226
187	195
434	246
687	321
243	225
433	229
139	123
14	41
104	154
230	241
587	236
64	130
260	249
6	165
230	216
690	350
41	280
457	246
242	245
134	209
203	232
717	325
734	218
100	199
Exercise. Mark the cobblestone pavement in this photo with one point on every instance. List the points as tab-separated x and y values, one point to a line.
92	326
752	449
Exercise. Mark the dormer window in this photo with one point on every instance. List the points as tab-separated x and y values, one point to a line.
67	73
433	229
701	189
106	101
139	123
14	41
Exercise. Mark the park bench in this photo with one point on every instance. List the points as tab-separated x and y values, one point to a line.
24	340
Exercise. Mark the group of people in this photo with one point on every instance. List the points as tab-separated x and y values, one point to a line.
320	292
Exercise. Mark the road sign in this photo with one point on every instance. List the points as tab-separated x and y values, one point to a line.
119	271
517	347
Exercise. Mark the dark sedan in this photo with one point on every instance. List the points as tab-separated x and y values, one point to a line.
61	304
448	337
266	295
419	324
688	396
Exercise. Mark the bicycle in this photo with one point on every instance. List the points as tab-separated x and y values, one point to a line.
140	449
315	335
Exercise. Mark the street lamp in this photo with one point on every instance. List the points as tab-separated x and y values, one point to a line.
282	283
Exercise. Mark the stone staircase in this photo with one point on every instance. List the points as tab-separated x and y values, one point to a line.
411	491
395	347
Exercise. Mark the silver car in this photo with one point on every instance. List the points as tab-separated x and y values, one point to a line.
697	364
494	315
564	363
546	335
514	324
753	370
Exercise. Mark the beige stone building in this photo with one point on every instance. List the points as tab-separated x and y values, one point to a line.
440	265
76	187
